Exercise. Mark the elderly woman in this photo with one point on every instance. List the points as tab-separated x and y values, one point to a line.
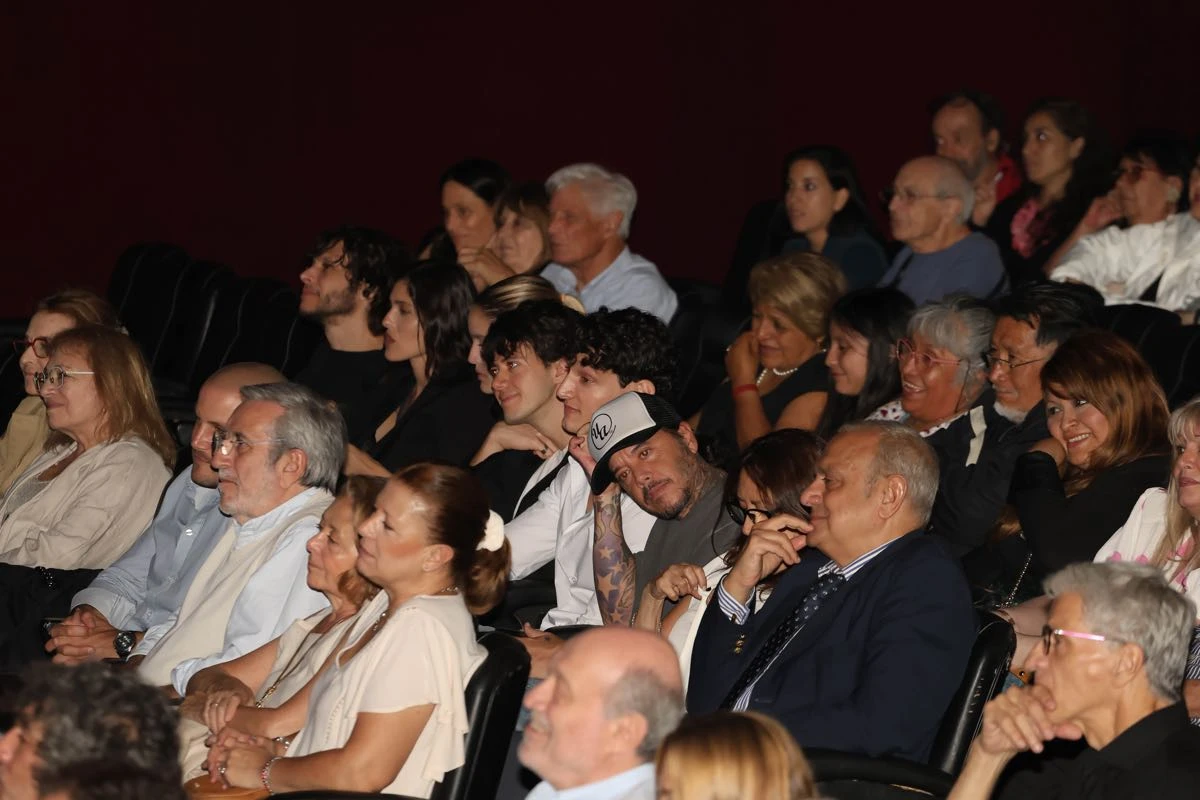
777	374
84	500
942	368
233	692
27	429
388	713
1157	258
521	244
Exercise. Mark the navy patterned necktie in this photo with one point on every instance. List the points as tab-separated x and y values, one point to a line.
817	594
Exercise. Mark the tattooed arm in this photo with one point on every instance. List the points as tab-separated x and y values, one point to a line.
612	561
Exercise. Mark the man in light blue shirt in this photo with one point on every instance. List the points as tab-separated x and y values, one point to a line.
591	210
595	736
146	586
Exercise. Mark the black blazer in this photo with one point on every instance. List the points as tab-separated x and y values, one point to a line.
872	672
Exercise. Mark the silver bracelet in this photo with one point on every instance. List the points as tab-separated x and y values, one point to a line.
266	773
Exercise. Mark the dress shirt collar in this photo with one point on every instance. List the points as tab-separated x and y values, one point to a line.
270	520
854	566
200	497
621	785
1145	737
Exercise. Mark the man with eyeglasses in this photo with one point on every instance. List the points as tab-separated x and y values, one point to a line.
1109	672
930	206
145	586
277	463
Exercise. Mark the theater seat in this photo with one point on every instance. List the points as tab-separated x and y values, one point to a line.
493	701
1177	365
1140	325
176	373
839	774
144	290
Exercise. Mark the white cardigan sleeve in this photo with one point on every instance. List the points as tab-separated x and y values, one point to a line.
1095	260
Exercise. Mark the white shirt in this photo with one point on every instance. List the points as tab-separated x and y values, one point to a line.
633	784
1123	263
1138	540
630	281
560	526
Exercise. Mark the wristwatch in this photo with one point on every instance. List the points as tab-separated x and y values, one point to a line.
124	643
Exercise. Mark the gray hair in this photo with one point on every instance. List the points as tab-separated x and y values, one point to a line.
309	424
958	323
606	191
953	182
1133	603
902	451
641	691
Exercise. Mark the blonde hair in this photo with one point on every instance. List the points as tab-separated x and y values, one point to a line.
804	286
727	756
1181	525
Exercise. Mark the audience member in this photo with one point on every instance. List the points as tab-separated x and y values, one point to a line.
638	447
69	718
768	480
591	210
444	417
887	607
345	289
728	756
390	715
529	350
941	364
611	696
277	463
930	207
521	243
1067	166
233	693
27	430
618	352
1109	672
777	373
1157	258
968	129
978	451
108	780
864	327
146	586
470	189
493	301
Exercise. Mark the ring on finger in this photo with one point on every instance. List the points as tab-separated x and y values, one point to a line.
221	770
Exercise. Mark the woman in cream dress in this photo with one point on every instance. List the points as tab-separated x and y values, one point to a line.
234	693
389	711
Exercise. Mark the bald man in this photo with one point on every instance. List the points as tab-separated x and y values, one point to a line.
147	585
930	206
611	695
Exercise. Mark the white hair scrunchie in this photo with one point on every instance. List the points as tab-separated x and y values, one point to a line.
493	533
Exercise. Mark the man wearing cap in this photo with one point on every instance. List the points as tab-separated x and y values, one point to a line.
638	447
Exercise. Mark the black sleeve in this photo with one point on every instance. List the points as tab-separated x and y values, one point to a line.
504	476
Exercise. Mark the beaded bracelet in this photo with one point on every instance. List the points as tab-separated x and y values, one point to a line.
266	773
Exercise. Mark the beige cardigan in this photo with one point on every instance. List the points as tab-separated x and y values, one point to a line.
23	441
91	513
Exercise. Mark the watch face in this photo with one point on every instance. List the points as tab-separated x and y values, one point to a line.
123	643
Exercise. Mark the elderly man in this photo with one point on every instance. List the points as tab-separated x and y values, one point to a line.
1109	671
345	288
75	718
930	205
277	464
968	129
978	451
637	446
591	210
145	587
867	605
611	697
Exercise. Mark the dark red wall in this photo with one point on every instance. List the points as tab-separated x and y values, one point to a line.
239	130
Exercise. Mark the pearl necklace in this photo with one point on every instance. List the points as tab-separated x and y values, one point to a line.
778	373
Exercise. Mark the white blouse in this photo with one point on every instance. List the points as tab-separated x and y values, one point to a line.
1138	539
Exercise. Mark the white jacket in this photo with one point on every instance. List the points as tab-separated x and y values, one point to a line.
1122	264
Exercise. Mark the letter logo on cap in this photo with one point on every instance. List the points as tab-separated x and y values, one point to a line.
602	431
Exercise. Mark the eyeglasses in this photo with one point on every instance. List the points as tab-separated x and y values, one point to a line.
991	361
1134	172
739	515
53	376
906	196
1049	633
39	345
905	352
223	442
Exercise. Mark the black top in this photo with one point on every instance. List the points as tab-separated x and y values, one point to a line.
1154	759
1048	235
447	422
717	430
349	379
1065	530
504	476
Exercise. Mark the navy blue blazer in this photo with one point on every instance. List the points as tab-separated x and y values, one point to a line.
872	671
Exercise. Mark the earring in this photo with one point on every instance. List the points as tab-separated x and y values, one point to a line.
1172	195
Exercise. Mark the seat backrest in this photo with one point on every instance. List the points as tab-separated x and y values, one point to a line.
144	289
199	288
270	329
986	672
494	696
1177	365
1138	324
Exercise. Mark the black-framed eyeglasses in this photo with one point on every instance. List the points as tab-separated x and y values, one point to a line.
906	196
224	442
40	345
53	377
1133	171
1049	633
756	515
991	361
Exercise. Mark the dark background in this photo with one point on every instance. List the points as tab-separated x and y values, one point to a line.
240	130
